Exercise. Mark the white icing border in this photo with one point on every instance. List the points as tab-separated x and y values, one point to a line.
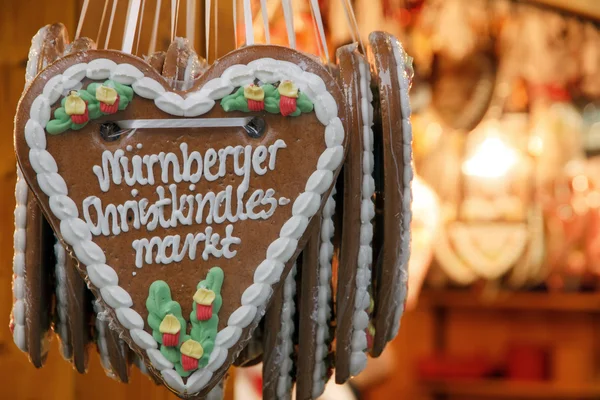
362	299
100	324
324	297
60	290
76	233
286	346
19	309
402	284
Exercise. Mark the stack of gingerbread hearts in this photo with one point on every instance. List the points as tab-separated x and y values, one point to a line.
188	217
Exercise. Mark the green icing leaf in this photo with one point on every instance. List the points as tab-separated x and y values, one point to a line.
87	97
56	126
272	105
205	332
154	321
62	122
304	104
235	101
159	304
170	353
183	373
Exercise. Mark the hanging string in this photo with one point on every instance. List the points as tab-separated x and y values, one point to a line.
173	10
216	29
354	26
140	22
235	32
133	13
316	11
248	23
349	20
265	17
288	14
190	21
207	4
316	33
86	3
153	36
176	17
110	23
102	21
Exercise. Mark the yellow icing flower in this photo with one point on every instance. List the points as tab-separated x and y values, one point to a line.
106	94
74	104
192	349
170	325
288	89
204	297
254	92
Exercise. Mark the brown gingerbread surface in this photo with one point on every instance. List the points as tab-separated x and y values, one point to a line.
77	152
390	268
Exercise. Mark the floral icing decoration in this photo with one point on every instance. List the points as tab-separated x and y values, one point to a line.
186	351
205	312
161	311
80	106
284	99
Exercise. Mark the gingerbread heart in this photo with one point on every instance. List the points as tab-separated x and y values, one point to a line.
185	210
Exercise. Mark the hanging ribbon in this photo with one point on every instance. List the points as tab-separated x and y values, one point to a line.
131	20
190	21
86	3
153	36
102	21
316	11
110	23
139	33
265	18
288	14
248	23
207	4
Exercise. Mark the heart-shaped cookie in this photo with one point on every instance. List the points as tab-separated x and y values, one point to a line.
184	226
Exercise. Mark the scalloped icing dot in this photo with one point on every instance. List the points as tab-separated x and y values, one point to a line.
116	297
63	207
148	88
74	230
129	318
102	275
143	339
100	68
35	135
243	316
268	271
197	380
228	336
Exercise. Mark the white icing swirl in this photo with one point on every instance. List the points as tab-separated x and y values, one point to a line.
19	310
285	343
61	289
358	358
402	284
280	251
324	297
101	317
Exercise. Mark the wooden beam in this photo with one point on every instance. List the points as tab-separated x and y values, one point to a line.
584	8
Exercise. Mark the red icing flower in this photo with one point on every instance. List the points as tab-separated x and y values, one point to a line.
191	352
204	299
170	329
288	95
76	108
108	98
255	96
